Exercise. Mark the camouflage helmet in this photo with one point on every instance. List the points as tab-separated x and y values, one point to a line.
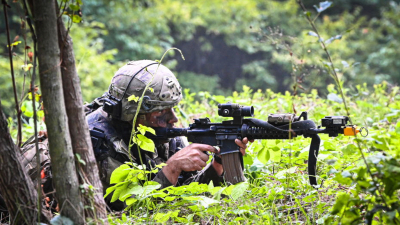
164	89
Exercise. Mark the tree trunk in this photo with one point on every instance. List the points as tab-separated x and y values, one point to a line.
16	187
78	127
65	178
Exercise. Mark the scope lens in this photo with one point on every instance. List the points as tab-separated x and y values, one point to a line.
248	111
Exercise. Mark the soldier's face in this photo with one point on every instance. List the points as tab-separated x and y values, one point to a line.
164	118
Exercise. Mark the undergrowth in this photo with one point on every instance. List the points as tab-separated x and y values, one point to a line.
277	190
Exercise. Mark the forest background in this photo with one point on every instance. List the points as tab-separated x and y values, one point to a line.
226	44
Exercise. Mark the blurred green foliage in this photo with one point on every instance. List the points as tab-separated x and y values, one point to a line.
227	44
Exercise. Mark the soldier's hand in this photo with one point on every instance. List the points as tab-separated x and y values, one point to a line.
243	144
190	158
242	148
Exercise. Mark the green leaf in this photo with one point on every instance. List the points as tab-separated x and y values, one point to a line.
350	149
130	201
136	189
15	43
341	201
133	98
76	19
145	143
80	160
120	174
143	129
162	217
27	109
109	190
329	146
247	159
169	198
203	200
118	190
275	154
282	174
74	7
263	155
239	190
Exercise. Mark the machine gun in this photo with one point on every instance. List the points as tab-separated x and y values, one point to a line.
278	126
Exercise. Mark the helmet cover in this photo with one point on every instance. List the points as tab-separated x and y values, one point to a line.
164	90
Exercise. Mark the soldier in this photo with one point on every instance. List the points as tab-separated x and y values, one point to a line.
110	120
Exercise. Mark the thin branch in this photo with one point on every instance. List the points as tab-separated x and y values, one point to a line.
337	80
19	136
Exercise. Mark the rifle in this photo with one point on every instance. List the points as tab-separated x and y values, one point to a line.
278	126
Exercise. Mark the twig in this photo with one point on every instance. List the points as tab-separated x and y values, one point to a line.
337	80
19	136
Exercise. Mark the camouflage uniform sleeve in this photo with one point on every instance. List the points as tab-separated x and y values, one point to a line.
204	176
162	179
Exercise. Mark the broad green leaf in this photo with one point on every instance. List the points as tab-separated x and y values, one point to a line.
238	190
149	188
123	217
27	108
329	146
228	190
76	19
310	198
145	143
203	200
169	198
275	154
263	155
120	174
341	201
118	190
283	173
74	7
128	192
247	159
109	190
143	129
162	217
350	149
